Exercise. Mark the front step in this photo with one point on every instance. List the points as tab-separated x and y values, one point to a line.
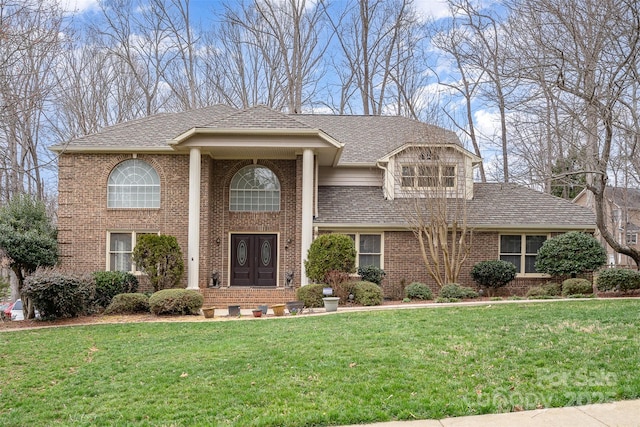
247	297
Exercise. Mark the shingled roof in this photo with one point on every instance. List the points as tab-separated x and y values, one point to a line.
366	138
494	205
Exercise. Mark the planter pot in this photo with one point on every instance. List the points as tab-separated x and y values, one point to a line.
331	303
234	311
208	312
295	307
257	313
278	309
264	309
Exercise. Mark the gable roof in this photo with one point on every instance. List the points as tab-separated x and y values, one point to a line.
366	139
494	206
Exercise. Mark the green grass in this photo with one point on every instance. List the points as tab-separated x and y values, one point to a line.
325	370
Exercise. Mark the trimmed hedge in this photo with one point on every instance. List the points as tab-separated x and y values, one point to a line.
132	303
111	283
56	294
456	291
417	290
367	293
311	295
550	289
176	302
576	286
618	279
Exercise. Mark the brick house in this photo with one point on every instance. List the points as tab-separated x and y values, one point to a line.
622	217
246	191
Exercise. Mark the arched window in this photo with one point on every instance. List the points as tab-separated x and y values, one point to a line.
133	184
255	188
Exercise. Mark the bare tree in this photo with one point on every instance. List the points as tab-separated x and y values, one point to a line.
432	183
30	44
588	51
380	43
287	34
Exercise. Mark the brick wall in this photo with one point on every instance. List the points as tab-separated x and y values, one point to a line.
403	264
83	217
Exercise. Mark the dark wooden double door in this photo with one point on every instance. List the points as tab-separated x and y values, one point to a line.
254	259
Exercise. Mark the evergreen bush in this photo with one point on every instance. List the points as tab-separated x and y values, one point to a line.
311	295
111	283
367	293
160	257
493	274
176	302
576	286
371	273
619	279
456	291
570	254
131	303
417	290
330	252
58	294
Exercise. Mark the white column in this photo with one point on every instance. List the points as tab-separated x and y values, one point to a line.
307	208
193	254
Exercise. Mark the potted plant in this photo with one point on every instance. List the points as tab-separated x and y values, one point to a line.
257	312
278	309
295	307
208	312
330	301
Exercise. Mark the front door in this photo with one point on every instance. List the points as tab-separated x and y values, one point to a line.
253	259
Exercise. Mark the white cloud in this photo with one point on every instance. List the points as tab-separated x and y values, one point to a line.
433	8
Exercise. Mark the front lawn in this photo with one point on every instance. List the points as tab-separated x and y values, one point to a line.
345	368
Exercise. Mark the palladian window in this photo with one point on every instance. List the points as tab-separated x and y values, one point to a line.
255	188
133	184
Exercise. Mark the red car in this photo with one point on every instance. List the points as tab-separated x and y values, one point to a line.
5	310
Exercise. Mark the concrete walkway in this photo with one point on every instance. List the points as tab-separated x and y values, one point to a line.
616	414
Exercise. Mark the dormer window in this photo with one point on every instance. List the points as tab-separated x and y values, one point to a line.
428	176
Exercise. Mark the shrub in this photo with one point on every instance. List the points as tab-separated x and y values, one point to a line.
553	288
570	254
330	252
619	279
455	291
417	290
576	286
550	289
367	293
56	294
160	257
493	274
111	283
176	301
311	295
128	304
441	300
371	273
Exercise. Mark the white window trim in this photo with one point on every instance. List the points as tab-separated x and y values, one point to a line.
415	177
633	240
523	253
134	234
357	244
113	187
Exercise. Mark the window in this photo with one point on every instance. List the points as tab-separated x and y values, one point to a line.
425	176
368	249
133	184
521	250
632	238
255	189
121	246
